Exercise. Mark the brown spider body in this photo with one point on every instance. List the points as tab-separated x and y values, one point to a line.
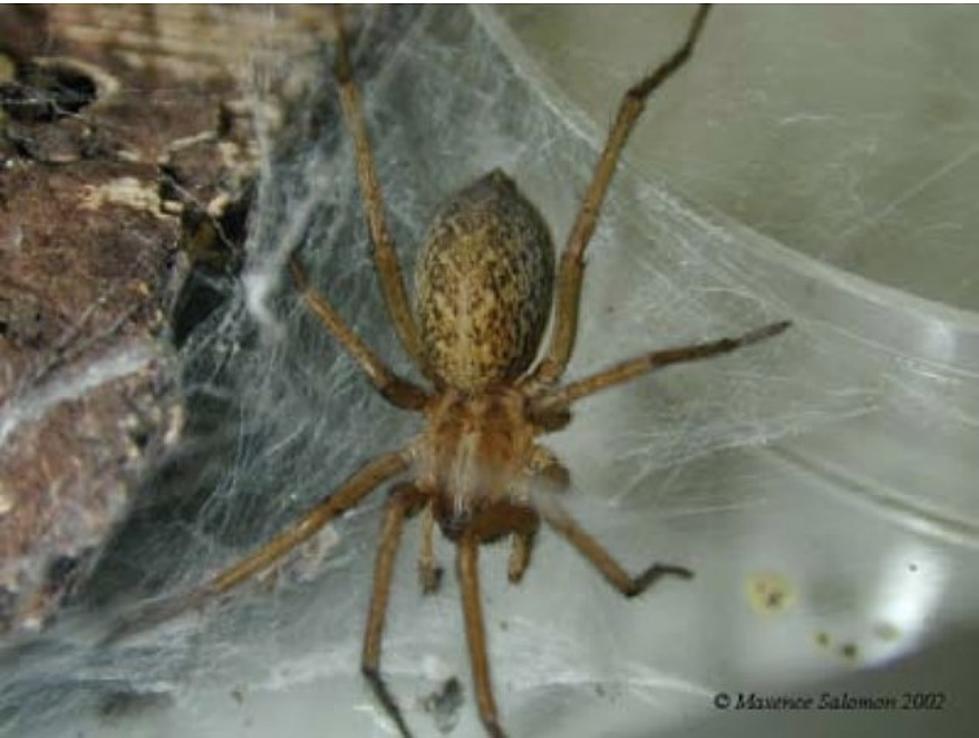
483	285
472	456
484	288
483	297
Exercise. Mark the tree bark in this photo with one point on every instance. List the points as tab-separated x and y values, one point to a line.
126	153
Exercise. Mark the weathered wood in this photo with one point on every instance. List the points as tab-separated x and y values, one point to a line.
123	137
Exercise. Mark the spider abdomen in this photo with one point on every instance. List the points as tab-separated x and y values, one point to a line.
483	285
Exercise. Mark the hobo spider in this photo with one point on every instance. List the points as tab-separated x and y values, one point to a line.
484	288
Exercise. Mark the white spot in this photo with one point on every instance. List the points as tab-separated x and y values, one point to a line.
127	191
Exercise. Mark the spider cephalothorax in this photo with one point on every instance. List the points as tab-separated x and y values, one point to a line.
484	287
475	453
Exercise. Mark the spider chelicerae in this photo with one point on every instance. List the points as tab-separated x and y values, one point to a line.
484	293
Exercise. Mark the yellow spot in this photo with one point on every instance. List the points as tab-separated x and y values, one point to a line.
769	592
127	191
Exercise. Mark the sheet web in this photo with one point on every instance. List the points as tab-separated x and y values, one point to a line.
278	415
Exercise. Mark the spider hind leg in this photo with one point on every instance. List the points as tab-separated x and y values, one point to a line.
386	262
571	271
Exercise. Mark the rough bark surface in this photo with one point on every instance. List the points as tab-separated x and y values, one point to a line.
124	147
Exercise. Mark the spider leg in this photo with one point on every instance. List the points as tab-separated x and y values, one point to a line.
555	515
633	368
521	548
543	467
385	259
400	505
350	494
399	392
429	571
572	260
468	571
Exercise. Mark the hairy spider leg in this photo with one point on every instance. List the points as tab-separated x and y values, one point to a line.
517	520
572	265
562	397
543	468
429	571
467	567
351	493
385	258
362	483
555	515
521	547
396	390
403	502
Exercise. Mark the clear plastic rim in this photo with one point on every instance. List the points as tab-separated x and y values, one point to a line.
937	343
924	313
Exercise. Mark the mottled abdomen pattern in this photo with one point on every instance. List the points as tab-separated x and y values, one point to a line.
483	285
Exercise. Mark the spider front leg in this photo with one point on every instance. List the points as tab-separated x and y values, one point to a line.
467	567
355	489
555	515
385	258
403	501
572	260
543	468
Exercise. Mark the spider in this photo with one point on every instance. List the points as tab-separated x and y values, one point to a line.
484	286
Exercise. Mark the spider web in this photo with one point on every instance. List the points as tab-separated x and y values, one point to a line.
279	416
